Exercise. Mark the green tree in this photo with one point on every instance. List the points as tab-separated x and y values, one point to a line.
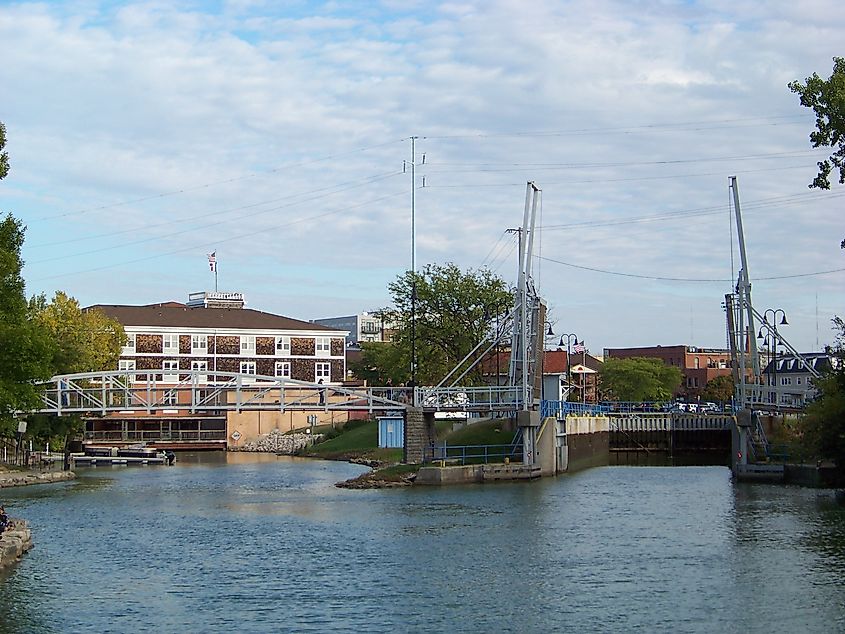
638	379
824	421
720	388
86	340
827	99
4	156
453	311
26	349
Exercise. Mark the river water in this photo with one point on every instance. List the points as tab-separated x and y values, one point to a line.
258	543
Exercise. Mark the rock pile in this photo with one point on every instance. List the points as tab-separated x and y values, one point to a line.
14	542
277	442
22	478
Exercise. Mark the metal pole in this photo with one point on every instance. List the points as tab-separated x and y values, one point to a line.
413	264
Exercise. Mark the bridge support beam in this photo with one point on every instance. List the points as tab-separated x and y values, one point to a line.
419	434
529	422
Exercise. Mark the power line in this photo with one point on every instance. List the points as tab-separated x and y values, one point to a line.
684	279
760	121
747	157
196	246
546	183
332	189
701	211
213	184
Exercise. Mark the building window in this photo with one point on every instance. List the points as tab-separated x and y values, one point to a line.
170	371
283	369
126	365
202	367
786	380
247	367
797	380
283	345
323	346
129	348
696	362
248	344
170	397
199	344
170	344
323	371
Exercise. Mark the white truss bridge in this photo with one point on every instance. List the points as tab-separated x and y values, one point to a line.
114	392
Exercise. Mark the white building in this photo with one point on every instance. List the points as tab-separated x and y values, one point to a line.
361	327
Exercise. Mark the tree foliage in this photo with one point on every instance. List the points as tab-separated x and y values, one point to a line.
824	422
86	340
453	313
720	388
638	379
827	99
26	348
4	156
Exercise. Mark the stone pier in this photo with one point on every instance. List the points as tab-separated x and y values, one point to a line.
419	434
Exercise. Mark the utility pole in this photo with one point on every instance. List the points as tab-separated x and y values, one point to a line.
414	265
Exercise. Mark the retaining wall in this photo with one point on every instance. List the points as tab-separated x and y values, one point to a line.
14	542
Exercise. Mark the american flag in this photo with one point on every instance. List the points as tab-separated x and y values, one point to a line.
579	348
212	261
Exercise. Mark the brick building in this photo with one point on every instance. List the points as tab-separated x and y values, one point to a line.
211	334
697	365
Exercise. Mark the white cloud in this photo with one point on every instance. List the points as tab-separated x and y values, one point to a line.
256	114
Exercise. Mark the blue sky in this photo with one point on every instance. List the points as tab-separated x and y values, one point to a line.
145	135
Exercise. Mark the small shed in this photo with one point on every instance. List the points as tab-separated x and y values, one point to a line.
391	431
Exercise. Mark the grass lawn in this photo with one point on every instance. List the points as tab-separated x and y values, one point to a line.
489	432
358	442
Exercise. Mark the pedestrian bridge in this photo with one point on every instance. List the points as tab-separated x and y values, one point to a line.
197	392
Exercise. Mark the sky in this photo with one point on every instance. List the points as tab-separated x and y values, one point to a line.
145	135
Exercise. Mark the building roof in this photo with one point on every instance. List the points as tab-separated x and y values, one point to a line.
176	315
819	361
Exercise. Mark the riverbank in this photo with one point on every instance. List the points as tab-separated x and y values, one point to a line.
14	542
14	478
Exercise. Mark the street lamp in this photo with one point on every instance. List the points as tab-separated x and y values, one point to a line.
772	327
568	337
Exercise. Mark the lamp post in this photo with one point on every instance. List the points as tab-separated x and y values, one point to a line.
568	337
772	327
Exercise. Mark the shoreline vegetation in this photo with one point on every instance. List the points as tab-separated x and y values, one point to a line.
357	442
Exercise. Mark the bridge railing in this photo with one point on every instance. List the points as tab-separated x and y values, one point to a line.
155	435
472	454
481	398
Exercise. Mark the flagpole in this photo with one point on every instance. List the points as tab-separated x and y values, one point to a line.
215	274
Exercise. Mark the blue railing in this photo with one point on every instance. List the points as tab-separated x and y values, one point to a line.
561	408
473	454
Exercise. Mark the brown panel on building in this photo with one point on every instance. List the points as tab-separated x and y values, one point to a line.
228	364
265	346
302	369
228	345
338	346
148	344
148	363
337	370
303	347
266	367
184	344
